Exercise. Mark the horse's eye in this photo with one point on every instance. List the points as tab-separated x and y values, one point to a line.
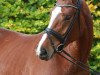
68	17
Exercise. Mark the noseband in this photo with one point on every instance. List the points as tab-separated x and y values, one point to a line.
64	39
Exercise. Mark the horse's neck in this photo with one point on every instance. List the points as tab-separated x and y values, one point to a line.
80	48
87	38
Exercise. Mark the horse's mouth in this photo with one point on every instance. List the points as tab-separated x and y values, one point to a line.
44	54
44	57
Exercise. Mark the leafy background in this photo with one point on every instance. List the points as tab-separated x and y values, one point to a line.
32	16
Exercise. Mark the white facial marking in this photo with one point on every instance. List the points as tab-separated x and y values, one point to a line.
54	14
40	44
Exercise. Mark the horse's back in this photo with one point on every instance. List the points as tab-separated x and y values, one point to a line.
11	39
7	35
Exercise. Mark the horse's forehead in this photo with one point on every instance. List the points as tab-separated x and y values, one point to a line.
57	10
55	13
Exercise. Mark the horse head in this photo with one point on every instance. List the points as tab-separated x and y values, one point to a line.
63	28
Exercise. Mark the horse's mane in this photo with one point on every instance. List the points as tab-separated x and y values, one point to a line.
88	19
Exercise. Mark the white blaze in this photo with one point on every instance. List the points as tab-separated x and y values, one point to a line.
54	14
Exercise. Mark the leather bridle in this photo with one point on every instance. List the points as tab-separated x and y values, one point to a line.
64	39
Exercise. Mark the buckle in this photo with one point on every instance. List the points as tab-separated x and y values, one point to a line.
59	48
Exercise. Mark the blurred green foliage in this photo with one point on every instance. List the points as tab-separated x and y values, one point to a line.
32	16
94	6
27	16
95	55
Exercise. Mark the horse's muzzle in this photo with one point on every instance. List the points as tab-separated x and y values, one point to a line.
43	55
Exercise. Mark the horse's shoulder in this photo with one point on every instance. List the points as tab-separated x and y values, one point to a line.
9	34
6	33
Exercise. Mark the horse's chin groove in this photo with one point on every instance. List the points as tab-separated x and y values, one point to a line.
45	59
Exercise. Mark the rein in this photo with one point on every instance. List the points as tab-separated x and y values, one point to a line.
63	39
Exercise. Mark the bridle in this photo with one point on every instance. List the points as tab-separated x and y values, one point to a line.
64	39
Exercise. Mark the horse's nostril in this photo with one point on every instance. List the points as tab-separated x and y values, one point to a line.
43	51
43	54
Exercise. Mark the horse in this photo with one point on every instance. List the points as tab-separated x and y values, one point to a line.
39	54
